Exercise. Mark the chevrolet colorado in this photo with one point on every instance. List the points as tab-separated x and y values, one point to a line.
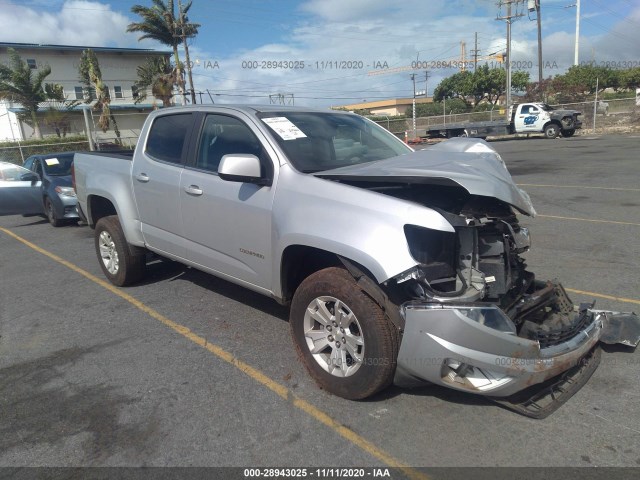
400	267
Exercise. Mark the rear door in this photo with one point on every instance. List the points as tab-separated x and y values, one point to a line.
227	225
156	177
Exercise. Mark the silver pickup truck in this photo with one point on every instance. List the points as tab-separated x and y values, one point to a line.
400	267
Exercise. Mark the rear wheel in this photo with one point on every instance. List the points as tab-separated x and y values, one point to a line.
118	264
51	213
342	336
552	130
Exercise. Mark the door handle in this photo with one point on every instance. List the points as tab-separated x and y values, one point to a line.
194	190
142	177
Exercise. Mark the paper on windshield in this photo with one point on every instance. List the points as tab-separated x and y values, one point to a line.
52	161
284	127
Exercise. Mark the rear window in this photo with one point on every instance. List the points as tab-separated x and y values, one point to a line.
167	137
59	165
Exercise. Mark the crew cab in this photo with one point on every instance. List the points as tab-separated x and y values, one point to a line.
399	266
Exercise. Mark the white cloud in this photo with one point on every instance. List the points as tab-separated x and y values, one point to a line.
78	22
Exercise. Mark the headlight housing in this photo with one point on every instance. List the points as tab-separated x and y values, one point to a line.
65	191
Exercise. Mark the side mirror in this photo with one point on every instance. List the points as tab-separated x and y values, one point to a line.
30	177
242	168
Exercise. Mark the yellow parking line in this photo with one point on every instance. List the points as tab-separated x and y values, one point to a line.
579	186
600	295
589	220
279	389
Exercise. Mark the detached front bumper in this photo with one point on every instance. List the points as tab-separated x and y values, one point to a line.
468	348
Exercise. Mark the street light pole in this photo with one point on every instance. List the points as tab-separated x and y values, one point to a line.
575	57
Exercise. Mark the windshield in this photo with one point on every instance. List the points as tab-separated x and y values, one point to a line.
546	107
58	165
316	141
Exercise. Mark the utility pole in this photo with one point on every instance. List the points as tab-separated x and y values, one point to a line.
575	57
509	18
475	52
413	78
426	84
184	35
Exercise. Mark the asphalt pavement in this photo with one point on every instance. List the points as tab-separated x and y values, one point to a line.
189	370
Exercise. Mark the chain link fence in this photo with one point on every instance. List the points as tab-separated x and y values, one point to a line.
619	115
18	154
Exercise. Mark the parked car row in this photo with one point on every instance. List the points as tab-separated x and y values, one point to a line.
42	186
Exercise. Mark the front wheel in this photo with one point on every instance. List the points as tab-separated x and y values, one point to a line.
118	264
51	213
342	336
568	133
552	130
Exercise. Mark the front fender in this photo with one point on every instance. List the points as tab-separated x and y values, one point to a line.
363	226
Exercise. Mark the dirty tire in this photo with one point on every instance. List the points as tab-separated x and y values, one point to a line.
51	213
117	263
349	379
568	133
552	130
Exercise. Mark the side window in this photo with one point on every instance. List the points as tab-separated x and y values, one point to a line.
533	110
224	135
28	164
167	137
525	110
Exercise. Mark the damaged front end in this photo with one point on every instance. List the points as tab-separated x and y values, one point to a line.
480	322
473	317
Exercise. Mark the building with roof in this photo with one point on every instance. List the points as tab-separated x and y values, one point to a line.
390	107
119	73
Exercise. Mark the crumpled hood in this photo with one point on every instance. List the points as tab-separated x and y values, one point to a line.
469	163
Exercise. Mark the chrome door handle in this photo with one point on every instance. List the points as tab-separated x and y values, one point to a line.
193	190
142	177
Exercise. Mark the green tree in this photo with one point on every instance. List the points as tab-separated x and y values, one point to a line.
586	77
159	22
58	116
483	83
19	83
459	85
158	74
630	78
91	77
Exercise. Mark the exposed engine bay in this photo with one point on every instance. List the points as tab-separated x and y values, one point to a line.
476	319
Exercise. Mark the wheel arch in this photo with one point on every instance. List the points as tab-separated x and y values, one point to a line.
99	207
300	261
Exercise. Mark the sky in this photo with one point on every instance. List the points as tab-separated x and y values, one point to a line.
334	52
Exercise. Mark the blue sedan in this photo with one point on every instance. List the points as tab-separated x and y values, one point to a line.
58	196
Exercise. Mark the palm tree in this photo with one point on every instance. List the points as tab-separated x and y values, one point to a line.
91	76
18	83
157	73
159	22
